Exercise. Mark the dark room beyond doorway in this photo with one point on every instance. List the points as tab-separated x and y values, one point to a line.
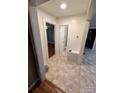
50	39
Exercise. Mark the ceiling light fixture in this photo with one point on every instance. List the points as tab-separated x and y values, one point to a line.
63	6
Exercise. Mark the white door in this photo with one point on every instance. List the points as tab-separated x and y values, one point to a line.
63	37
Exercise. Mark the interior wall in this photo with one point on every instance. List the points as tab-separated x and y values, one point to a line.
37	40
84	37
47	17
75	30
92	10
93	22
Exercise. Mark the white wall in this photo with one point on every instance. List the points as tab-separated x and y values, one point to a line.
75	28
37	40
84	36
93	22
92	10
47	17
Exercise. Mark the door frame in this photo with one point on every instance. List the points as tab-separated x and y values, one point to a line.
37	40
30	36
54	37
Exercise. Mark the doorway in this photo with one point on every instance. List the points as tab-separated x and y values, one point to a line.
90	38
50	39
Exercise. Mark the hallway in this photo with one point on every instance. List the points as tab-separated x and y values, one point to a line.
71	77
64	74
88	72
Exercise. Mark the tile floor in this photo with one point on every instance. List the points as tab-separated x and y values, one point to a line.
71	77
88	72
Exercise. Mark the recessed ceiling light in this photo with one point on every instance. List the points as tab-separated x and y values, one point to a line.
63	6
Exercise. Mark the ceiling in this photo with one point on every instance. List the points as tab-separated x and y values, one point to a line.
36	2
74	7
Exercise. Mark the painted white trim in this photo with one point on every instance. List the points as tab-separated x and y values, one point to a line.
46	36
94	45
37	40
45	40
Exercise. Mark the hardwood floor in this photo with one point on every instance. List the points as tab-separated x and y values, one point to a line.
51	49
46	87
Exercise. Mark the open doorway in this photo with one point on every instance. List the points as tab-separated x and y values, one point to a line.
90	38
50	39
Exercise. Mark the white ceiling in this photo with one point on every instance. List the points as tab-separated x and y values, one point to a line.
74	7
36	2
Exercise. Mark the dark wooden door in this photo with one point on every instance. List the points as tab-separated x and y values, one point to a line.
90	38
